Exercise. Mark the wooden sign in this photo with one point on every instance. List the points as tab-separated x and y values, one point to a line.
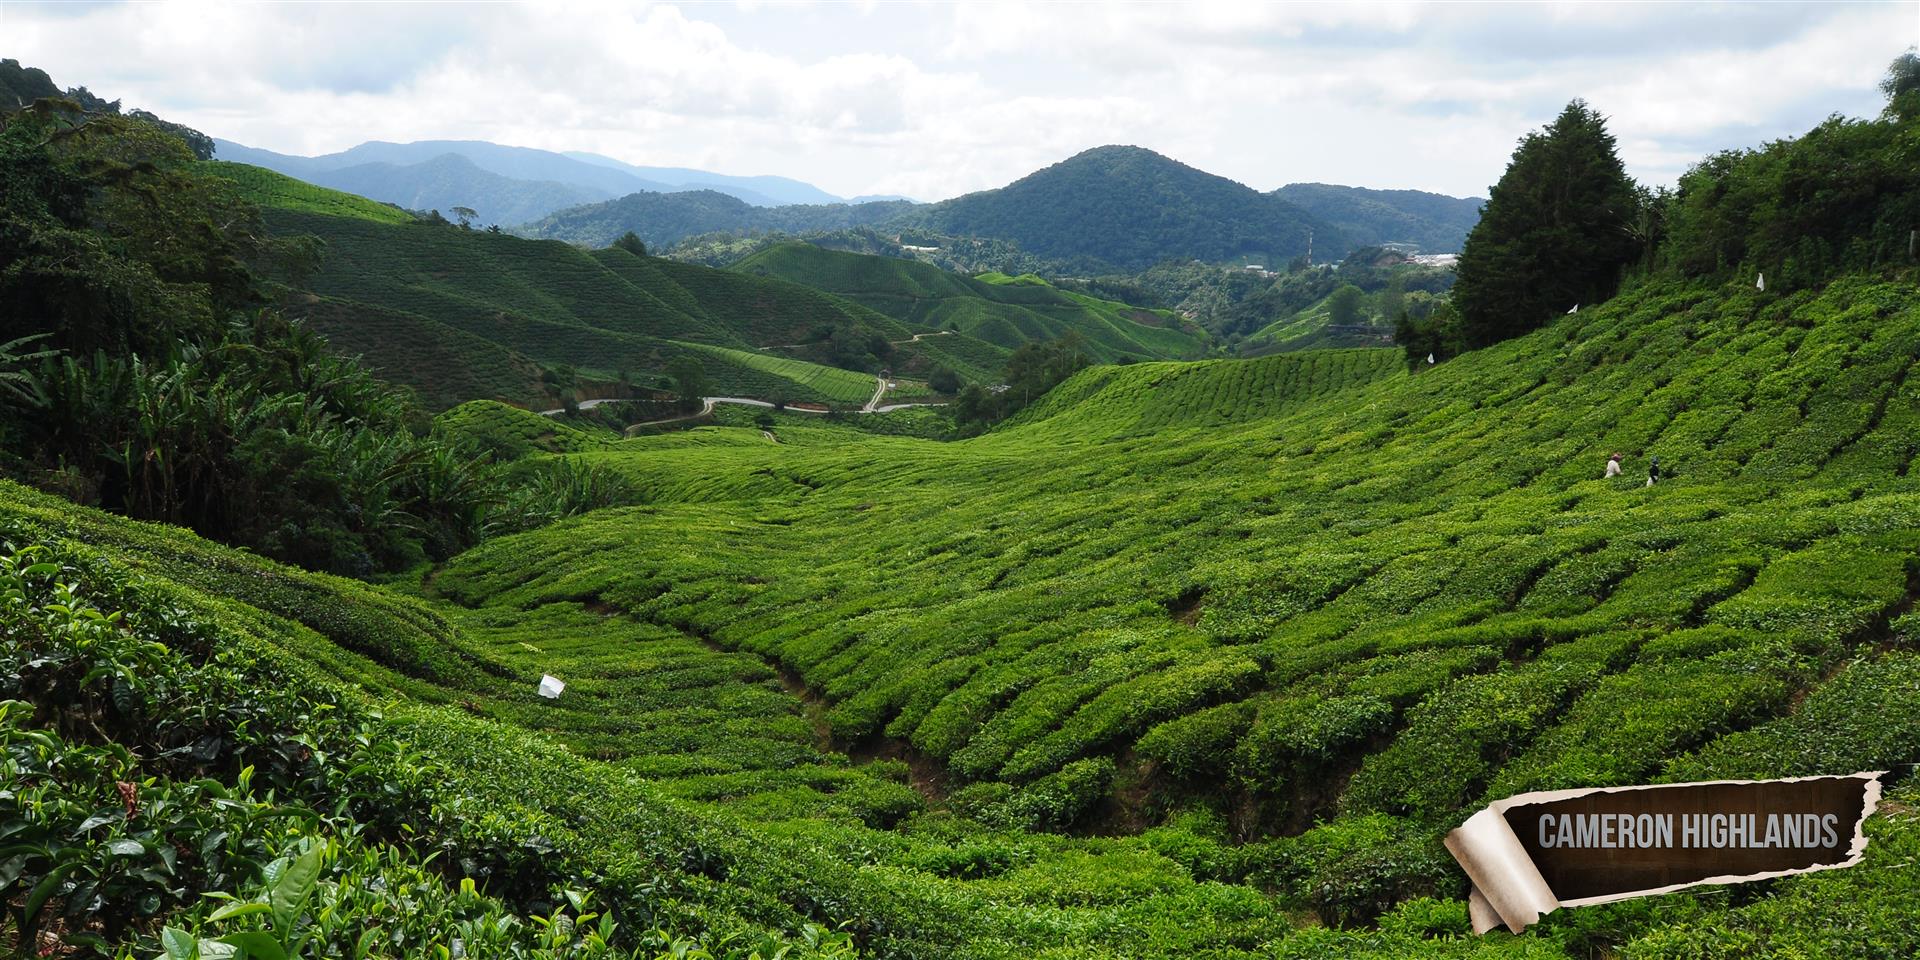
1534	853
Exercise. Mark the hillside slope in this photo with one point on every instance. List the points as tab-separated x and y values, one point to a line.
450	181
664	219
1005	314
1366	606
1368	218
516	301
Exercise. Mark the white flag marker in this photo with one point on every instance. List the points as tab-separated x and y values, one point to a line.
1429	358
1576	309
550	686
1760	284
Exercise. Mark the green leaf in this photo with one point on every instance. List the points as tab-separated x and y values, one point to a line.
126	848
257	943
293	887
232	910
48	884
178	943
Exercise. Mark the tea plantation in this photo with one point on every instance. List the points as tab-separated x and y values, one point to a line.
1000	310
1186	659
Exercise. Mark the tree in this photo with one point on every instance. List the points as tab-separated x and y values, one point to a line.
1556	231
690	380
1902	86
1393	299
631	243
944	380
466	216
1343	307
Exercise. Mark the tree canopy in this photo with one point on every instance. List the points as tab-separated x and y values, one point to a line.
1555	232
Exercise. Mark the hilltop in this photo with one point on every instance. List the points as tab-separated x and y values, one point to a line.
1130	208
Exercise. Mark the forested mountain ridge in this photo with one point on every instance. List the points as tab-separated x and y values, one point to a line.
1109	209
1433	222
1128	207
663	219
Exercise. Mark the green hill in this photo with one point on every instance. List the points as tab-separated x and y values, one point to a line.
277	190
387	289
664	219
1315	569
1131	208
1433	222
1002	311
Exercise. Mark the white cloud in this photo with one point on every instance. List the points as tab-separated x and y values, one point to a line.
939	99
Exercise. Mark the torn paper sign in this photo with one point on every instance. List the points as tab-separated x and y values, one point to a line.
1534	853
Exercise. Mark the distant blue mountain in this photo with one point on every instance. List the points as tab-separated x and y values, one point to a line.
506	185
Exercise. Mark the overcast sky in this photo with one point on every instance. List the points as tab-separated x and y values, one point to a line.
932	100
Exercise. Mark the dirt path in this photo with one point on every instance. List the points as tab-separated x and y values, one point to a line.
879	390
916	338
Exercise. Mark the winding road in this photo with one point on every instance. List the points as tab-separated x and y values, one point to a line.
873	405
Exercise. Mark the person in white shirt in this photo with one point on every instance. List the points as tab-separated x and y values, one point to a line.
1613	466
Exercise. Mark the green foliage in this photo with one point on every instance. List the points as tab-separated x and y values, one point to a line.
1553	233
1031	371
1842	197
1343	305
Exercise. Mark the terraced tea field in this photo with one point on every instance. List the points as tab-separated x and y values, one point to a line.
839	386
1187	659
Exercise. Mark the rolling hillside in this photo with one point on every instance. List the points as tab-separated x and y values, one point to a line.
1369	218
1366	602
663	219
451	180
462	315
1301	612
1002	311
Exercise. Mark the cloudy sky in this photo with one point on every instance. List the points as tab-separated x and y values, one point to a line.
936	99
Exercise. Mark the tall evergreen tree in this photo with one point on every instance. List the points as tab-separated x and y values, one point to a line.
1556	231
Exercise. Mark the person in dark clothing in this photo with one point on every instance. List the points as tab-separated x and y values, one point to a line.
1653	471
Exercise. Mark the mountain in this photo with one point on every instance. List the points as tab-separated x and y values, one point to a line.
1130	208
663	219
1433	222
761	191
552	180
471	314
451	180
1005	311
